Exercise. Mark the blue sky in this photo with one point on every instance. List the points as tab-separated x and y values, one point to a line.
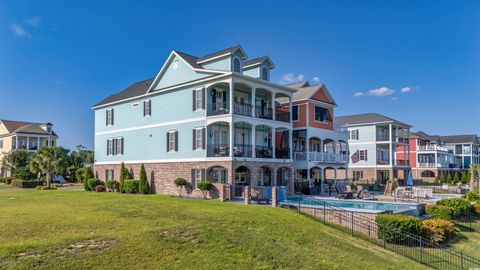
416	61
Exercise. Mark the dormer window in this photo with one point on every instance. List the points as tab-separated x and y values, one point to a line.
264	73
237	66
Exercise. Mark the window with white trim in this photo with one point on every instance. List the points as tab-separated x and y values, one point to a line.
237	66
197	177
109	147
119	146
264	73
147	107
353	134
109	117
198	140
109	174
295	113
357	175
321	114
198	99
362	155
172	141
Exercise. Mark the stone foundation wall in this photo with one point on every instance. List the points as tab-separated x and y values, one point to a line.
162	175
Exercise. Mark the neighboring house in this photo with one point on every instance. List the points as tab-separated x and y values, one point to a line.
24	135
374	141
429	156
320	153
466	149
212	118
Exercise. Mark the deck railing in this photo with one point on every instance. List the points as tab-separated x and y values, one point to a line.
242	109
408	245
242	150
218	150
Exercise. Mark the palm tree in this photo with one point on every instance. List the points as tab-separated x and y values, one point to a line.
48	160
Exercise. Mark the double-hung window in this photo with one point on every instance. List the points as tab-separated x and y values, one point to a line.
147	108
119	146
295	113
109	117
198	175
198	139
362	155
172	141
109	147
357	175
321	114
198	99
354	134
115	146
109	174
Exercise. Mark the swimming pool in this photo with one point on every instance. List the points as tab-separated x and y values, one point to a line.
371	207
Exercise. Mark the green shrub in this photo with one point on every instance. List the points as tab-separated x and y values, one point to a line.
449	178
390	224
476	208
111	185
461	206
441	212
100	188
23	173
131	186
144	188
465	178
6	180
124	175
438	230
26	183
181	184
456	178
205	187
92	183
473	196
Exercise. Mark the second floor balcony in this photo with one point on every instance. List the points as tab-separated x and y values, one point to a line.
432	148
321	157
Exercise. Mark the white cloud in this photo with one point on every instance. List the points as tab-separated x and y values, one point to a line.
406	89
18	30
377	92
291	78
33	22
316	80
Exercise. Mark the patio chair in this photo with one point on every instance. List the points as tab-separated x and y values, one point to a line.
259	197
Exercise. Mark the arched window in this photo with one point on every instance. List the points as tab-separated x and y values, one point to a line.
264	74
428	174
236	65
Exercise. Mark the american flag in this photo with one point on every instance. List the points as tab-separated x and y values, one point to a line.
355	158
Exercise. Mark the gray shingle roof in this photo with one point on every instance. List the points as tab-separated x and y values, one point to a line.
460	139
19	126
424	136
224	51
134	90
366	118
190	59
304	91
258	60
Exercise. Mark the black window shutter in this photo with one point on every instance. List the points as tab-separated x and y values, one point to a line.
168	145
113	120
122	144
203	98
366	155
176	140
106	117
115	142
203	138
150	107
193	100
108	147
356	131
106	175
194	140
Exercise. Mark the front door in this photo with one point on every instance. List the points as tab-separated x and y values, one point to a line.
241	180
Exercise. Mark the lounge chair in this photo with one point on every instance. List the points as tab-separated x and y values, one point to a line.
259	197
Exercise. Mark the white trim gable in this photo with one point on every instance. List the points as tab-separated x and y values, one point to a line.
167	63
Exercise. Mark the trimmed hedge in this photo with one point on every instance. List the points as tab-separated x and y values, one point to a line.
441	212
6	180
389	224
26	183
461	206
476	208
111	185
92	183
131	186
52	187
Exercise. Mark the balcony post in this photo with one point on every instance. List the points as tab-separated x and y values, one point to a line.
253	142
391	153
290	144
290	110
38	143
28	143
230	133
230	101
16	142
273	142
253	101
273	107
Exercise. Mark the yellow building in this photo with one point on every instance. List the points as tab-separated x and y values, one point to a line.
24	135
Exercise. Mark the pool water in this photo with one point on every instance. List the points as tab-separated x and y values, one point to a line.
359	206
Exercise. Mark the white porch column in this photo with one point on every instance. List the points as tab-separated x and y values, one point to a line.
290	104
335	174
390	149
273	142
408	140
254	91
231	97
28	143
253	141
290	143
38	143
273	105
231	134
16	142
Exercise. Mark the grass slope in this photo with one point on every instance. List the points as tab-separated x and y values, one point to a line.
78	230
468	241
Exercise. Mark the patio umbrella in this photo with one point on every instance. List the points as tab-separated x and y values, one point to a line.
410	179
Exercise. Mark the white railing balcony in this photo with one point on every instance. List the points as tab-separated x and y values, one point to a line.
301	156
432	148
433	165
315	156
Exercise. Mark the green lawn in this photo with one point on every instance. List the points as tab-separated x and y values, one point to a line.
80	230
468	242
